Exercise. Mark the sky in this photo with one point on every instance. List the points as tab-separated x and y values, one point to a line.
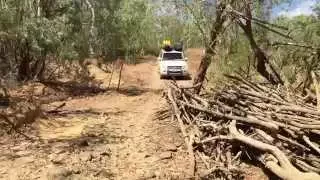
294	8
297	7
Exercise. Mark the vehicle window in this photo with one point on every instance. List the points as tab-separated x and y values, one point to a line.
172	56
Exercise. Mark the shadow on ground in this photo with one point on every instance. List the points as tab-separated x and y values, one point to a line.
74	88
178	78
137	91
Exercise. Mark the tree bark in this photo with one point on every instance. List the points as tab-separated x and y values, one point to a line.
24	65
110	80
3	4
217	27
120	74
24	70
40	75
263	65
38	9
91	53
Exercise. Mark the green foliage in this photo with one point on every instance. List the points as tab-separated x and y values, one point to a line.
45	34
124	28
137	27
294	62
233	56
317	9
297	62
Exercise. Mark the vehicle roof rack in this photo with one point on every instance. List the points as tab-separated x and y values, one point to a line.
167	48
176	47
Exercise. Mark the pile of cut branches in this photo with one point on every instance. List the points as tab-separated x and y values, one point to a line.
249	122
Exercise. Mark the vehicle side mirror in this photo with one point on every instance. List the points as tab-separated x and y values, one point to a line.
186	59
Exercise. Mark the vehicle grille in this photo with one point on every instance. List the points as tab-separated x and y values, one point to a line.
175	70
175	67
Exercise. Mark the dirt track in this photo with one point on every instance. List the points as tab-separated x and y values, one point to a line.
118	138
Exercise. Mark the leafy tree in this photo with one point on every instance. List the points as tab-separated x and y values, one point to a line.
33	31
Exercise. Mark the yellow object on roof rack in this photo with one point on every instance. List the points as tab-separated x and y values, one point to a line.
166	43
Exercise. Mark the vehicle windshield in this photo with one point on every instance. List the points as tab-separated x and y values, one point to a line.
172	56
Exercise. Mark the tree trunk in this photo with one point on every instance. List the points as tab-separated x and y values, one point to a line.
40	75
210	52
4	4
110	80
263	65
119	81
202	71
91	40
38	9
25	59
24	70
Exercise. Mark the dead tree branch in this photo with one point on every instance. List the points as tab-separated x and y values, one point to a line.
245	119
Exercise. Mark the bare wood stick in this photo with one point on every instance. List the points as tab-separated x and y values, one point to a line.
312	145
288	125
293	108
286	170
113	67
283	118
264	135
291	133
304	126
184	132
283	160
14	127
57	108
288	117
191	155
237	156
293	44
186	116
256	94
306	166
211	139
317	87
190	87
267	125
316	131
224	169
194	96
254	87
292	142
119	81
274	31
256	19
201	155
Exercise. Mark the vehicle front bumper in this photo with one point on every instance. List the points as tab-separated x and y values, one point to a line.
175	74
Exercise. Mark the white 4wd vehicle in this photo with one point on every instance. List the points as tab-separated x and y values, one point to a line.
173	63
